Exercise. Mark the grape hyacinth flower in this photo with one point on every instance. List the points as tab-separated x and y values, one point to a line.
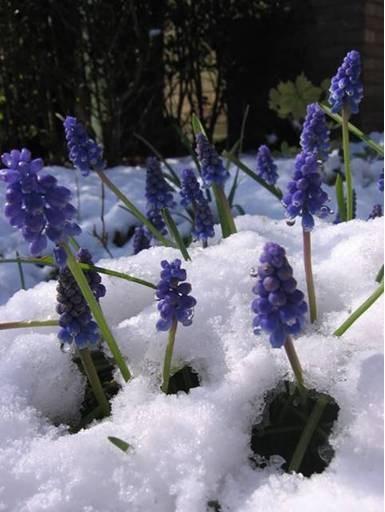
267	170
346	93
36	204
175	304
346	90
159	194
83	151
305	196
280	307
376	212
140	240
212	168
380	182
192	194
315	133
77	325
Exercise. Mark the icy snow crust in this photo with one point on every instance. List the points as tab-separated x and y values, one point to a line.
189	449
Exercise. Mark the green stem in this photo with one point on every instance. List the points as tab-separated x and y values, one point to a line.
360	310
354	130
380	275
224	212
96	311
307	434
93	378
340	198
21	273
133	209
28	323
294	363
309	275
49	262
168	356
173	230
348	171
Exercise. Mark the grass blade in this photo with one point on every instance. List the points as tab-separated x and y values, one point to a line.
175	233
119	443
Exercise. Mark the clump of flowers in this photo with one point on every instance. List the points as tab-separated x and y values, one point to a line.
192	195
266	167
315	133
77	325
83	151
175	304
140	240
280	307
212	168
376	212
346	90
305	196
36	204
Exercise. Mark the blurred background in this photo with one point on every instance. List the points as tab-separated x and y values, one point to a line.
140	67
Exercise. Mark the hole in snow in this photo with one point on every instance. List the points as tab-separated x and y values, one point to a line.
183	380
275	438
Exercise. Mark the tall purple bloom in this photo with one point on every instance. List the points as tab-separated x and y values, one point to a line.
192	194
280	307
36	204
141	240
175	303
315	133
159	194
376	212
75	317
305	196
346	88
212	168
266	167
83	151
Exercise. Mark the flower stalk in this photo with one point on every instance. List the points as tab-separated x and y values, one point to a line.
348	171
93	378
309	275
168	356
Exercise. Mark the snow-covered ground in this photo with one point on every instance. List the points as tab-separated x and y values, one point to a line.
192	448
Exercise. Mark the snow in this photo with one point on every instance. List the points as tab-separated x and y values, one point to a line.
192	448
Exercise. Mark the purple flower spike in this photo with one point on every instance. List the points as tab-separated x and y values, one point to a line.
141	240
36	205
305	196
346	88
376	212
266	167
175	303
280	307
315	133
83	151
192	194
159	194
75	318
212	168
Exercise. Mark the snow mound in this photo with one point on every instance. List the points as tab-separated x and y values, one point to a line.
187	450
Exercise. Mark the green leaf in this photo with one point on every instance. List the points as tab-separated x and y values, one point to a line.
197	126
175	233
354	130
291	98
119	443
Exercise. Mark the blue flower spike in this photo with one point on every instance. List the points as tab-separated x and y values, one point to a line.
83	151
380	182
192	195
75	320
267	170
280	308
36	204
141	240
212	168
175	304
315	133
346	90
376	212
